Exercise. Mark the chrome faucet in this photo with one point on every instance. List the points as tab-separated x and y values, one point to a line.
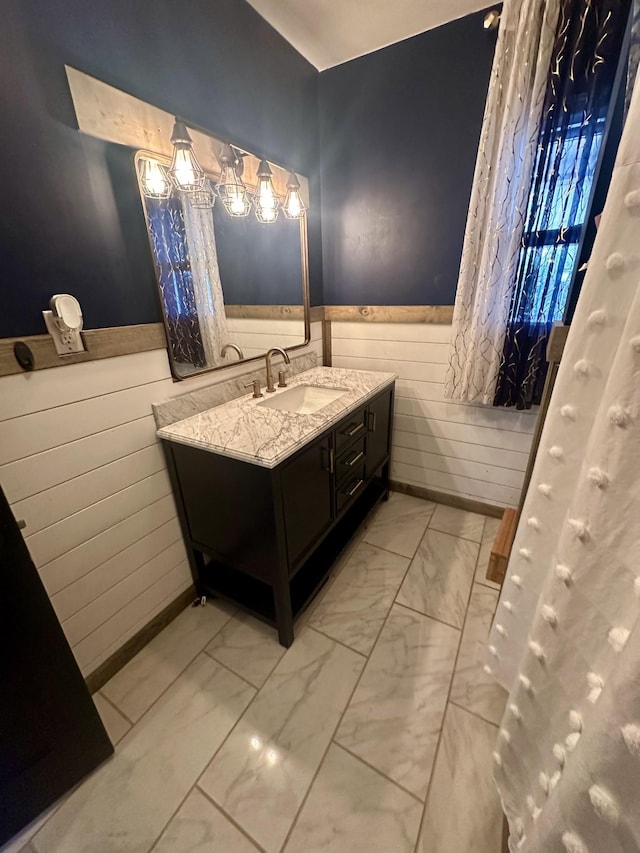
223	352
270	386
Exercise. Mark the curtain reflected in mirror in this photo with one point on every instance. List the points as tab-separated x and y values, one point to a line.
229	288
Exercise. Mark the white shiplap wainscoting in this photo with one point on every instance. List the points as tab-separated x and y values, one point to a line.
470	451
80	463
255	336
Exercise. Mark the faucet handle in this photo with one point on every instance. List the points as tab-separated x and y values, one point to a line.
255	384
282	379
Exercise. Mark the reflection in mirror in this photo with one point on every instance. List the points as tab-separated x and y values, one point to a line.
230	286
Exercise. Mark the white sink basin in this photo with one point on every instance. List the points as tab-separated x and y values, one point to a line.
304	399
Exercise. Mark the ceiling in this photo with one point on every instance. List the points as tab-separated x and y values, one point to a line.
328	32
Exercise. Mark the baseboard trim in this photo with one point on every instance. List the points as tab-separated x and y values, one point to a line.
456	501
99	677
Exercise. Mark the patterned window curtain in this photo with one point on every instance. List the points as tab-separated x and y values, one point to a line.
168	238
495	223
205	276
584	63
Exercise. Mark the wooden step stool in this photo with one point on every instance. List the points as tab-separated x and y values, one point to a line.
502	545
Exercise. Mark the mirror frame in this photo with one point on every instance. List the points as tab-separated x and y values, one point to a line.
304	252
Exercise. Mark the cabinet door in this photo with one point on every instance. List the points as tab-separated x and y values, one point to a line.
51	736
378	423
307	483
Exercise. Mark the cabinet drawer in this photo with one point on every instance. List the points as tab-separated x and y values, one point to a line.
350	489
352	426
352	458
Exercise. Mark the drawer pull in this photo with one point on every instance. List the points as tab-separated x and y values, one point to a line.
355	459
352	491
355	429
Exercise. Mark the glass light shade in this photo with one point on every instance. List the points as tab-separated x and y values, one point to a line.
154	179
293	207
265	199
186	173
230	188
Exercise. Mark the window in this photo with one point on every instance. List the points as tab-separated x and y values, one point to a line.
556	217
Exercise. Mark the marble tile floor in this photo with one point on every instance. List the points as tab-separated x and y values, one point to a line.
373	732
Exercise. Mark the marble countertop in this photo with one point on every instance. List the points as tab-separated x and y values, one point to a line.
244	429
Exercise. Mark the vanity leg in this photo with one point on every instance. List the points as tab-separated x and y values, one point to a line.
385	480
284	614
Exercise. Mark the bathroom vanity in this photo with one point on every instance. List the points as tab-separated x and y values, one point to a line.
270	490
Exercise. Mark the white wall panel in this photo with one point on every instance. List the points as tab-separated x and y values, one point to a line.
81	592
136	613
25	393
33	474
42	430
107	639
484	436
58	503
456	449
255	337
473	451
57	539
77	562
111	602
80	463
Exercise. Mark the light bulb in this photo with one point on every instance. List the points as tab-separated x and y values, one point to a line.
237	202
266	201
230	188
293	207
154	181
183	170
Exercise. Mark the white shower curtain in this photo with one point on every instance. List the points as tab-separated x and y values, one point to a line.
207	287
566	640
501	183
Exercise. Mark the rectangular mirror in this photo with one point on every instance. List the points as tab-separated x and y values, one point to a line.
230	286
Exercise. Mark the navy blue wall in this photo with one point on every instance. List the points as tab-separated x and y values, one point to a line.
399	135
71	217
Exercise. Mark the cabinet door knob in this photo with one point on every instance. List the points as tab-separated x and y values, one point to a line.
372	422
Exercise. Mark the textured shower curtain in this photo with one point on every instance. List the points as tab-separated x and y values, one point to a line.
566	640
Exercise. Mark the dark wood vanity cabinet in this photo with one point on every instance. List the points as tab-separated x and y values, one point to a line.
266	538
306	486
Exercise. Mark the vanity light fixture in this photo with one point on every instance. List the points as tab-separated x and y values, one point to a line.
230	188
154	179
293	207
265	199
185	171
204	198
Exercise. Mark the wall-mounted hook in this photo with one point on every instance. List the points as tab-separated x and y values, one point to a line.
23	355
